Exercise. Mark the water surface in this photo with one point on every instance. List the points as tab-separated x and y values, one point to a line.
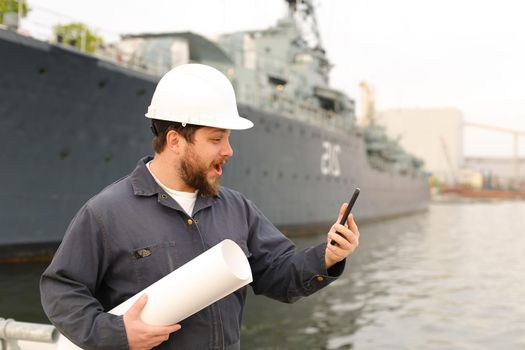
450	278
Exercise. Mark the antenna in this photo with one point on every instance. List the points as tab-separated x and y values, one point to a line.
303	13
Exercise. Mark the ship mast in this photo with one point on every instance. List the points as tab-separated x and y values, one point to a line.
302	12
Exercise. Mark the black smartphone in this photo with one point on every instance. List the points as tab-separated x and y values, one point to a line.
348	210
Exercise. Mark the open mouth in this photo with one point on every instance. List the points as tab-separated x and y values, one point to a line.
218	167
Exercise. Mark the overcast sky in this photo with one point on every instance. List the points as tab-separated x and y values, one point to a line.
415	53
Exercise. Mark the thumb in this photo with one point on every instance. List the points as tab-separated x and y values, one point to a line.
342	212
137	307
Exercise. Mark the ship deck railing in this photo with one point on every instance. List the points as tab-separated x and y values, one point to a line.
310	114
281	104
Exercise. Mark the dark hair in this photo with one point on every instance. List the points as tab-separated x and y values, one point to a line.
160	129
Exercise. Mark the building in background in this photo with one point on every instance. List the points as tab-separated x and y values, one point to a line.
432	134
436	136
499	172
493	172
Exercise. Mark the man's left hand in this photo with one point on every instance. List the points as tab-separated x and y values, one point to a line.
346	242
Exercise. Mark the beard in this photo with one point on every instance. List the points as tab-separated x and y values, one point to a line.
194	173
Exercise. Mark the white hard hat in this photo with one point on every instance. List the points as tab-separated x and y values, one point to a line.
197	94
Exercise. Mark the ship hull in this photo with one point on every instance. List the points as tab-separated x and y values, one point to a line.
70	124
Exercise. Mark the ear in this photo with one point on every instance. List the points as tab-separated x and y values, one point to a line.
173	141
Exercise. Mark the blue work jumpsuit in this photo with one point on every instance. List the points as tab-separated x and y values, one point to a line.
101	262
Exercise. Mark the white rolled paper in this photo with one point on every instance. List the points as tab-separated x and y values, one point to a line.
211	276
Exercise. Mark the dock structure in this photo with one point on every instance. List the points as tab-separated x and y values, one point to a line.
26	336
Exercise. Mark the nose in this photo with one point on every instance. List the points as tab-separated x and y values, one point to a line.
227	149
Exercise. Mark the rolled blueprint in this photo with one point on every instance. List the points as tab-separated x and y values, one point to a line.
211	276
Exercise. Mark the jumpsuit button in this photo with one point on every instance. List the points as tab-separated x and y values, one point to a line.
190	221
164	196
320	278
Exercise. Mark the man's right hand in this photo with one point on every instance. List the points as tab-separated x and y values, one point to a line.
142	336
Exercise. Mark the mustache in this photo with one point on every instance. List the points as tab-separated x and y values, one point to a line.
222	161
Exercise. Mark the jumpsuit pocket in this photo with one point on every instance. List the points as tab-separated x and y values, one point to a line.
153	262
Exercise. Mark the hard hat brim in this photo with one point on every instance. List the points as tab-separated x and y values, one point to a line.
236	123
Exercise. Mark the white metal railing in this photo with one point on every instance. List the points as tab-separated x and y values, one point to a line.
11	332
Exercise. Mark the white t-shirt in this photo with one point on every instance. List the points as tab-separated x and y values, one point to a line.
185	199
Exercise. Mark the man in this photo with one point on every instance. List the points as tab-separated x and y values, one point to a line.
170	209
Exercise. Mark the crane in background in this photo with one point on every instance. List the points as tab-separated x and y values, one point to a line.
515	143
449	161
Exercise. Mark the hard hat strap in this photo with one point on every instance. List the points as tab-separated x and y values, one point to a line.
154	129
159	126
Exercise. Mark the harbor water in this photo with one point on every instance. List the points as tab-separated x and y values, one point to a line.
449	278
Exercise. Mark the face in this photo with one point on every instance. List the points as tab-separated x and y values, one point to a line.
202	161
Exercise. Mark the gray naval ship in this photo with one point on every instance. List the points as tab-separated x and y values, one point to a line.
71	123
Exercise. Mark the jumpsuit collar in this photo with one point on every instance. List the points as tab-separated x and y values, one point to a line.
145	185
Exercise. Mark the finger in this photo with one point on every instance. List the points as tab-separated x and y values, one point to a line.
172	328
342	212
346	232
162	331
335	252
161	338
352	225
154	342
350	236
341	241
351	233
333	230
159	334
336	229
137	307
165	331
